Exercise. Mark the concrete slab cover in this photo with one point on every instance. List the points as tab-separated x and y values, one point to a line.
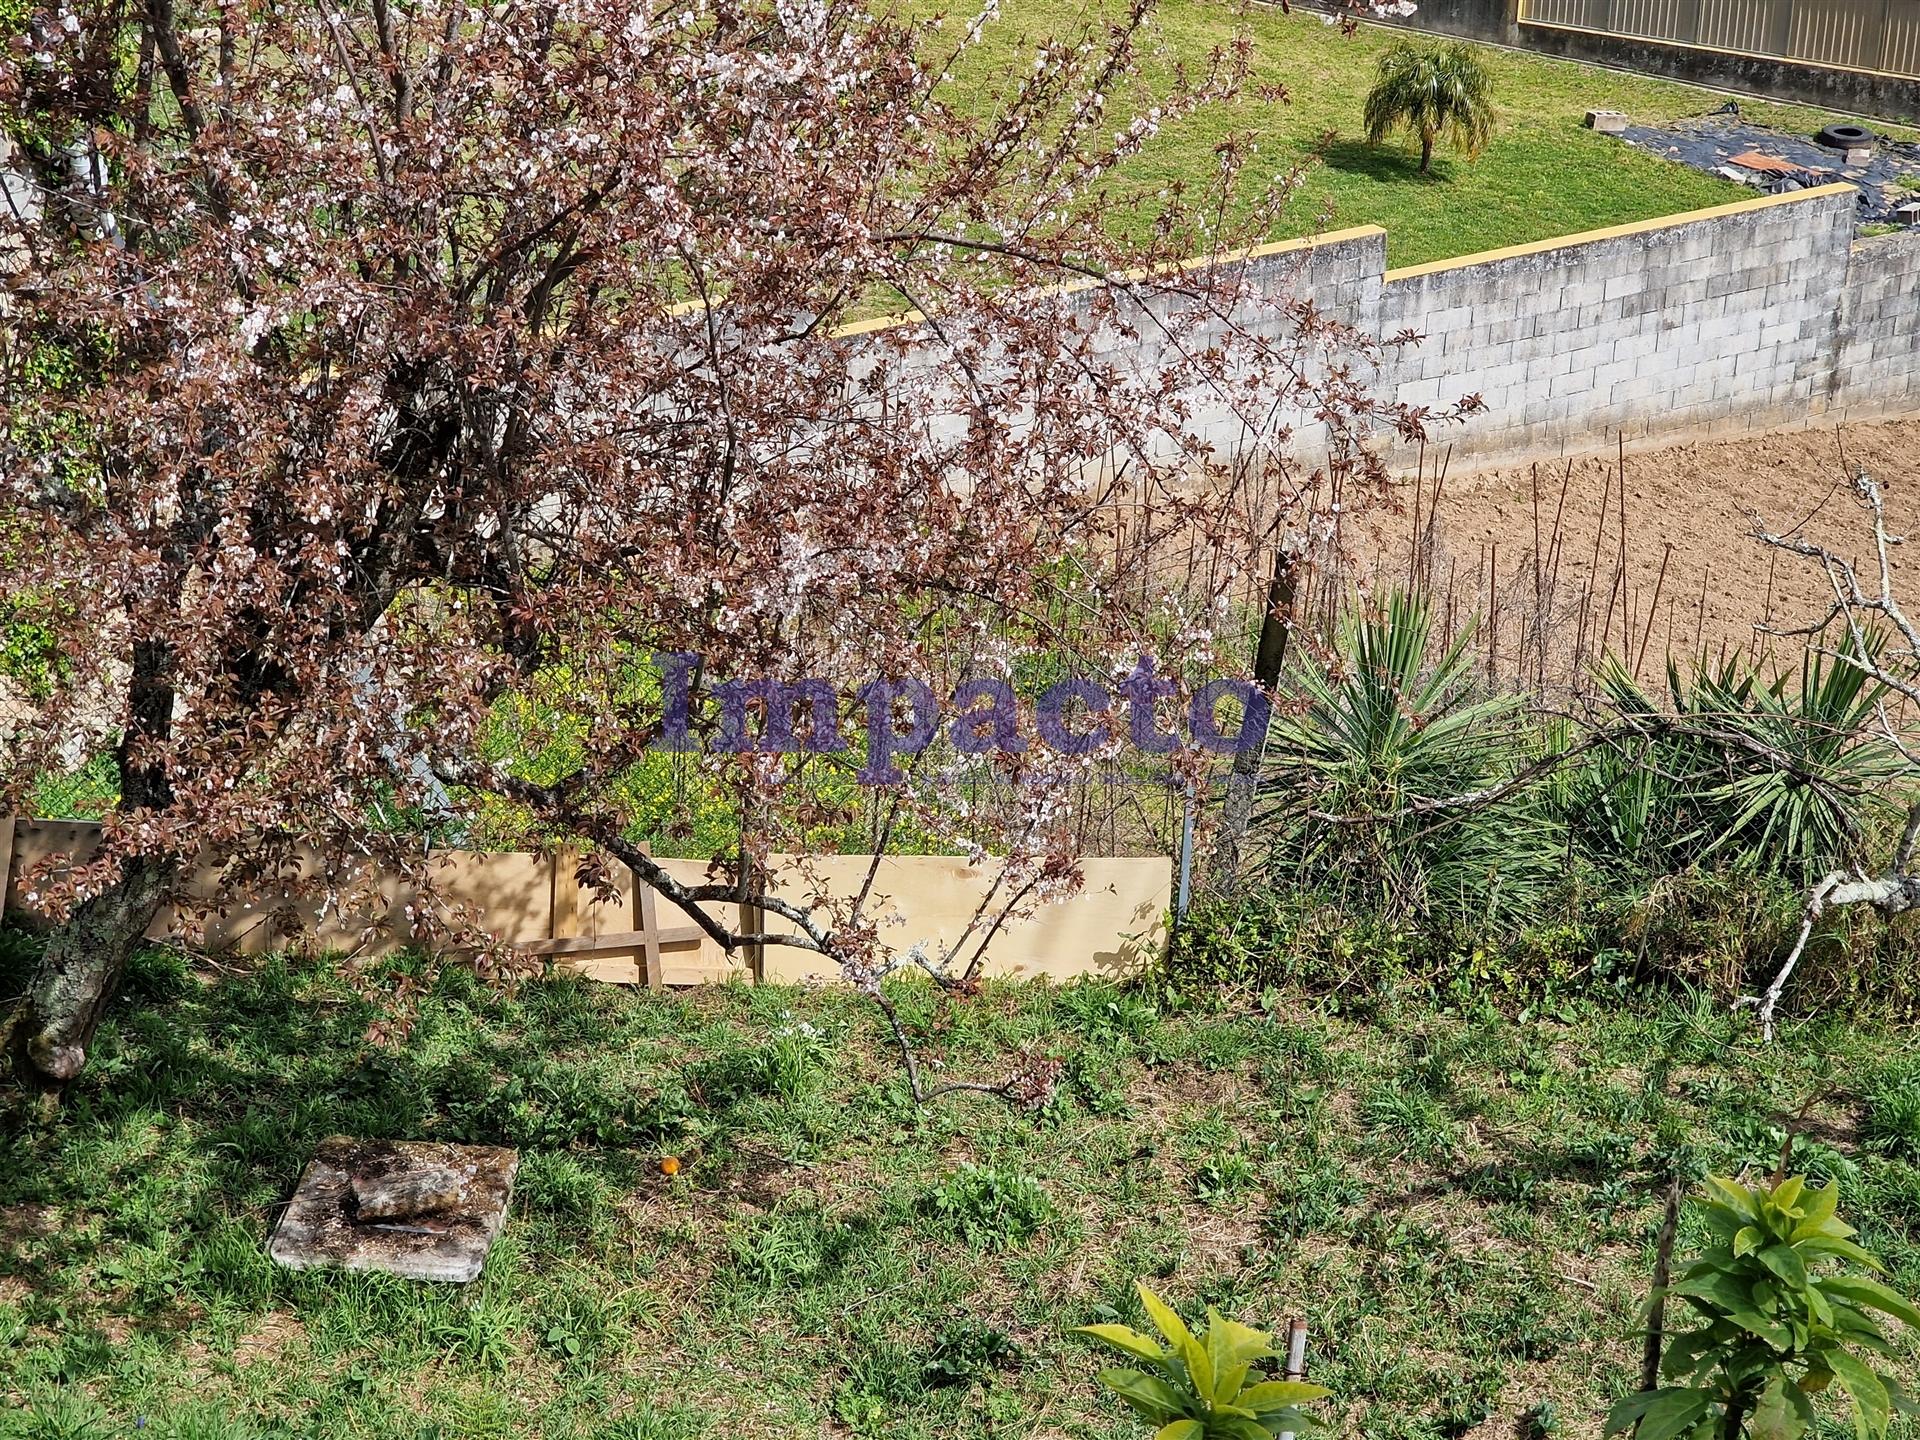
319	1227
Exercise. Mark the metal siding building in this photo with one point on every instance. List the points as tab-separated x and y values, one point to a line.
1882	36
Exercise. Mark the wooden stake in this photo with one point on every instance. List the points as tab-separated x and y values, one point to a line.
566	893
1413	535
1433	508
1593	563
1539	631
644	912
1653	610
1626	617
1493	613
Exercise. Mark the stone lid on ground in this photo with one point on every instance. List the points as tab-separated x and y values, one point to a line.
434	1212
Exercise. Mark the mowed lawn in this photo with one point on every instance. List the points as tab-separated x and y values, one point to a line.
1464	1202
1544	175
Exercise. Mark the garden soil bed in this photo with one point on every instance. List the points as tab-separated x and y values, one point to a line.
1693	506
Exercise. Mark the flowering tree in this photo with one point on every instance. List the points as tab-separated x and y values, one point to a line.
372	366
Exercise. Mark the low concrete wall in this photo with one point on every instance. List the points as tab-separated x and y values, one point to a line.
1758	314
1876	365
1763	313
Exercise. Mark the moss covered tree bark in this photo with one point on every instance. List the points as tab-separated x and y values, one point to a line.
80	969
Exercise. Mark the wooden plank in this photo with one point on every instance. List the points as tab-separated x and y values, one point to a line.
619	940
752	921
698	972
618	971
649	930
566	893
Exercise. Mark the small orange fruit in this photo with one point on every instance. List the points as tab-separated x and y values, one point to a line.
670	1165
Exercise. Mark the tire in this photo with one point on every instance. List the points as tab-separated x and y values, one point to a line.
1846	137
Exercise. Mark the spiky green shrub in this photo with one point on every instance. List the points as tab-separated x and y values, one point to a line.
1369	740
1782	775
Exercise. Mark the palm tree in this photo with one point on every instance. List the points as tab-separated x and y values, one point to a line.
1428	91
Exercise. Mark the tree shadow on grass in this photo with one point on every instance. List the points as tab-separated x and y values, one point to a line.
149	1197
1390	164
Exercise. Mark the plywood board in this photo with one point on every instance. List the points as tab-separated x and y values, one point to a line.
1114	925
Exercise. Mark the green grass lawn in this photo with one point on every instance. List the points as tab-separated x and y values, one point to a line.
1544	175
1462	1203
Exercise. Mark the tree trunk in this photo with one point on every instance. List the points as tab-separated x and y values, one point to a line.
79	972
1426	153
47	1037
1269	659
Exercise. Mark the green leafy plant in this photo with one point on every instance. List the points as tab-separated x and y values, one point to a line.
1221	1180
1204	1386
991	1208
1431	91
966	1352
1783	1313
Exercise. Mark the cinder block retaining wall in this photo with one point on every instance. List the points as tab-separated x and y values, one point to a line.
1715	321
1763	314
1875	370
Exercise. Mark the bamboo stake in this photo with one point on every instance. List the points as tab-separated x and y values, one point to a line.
1539	632
1296	1358
1662	1272
1413	535
1626	617
1490	567
1433	509
1558	548
1593	563
1653	610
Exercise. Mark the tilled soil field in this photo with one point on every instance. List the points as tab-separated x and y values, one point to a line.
1667	561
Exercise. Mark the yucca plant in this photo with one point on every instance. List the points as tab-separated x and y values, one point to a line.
1376	736
1773	775
1204	1387
1431	91
1783	1314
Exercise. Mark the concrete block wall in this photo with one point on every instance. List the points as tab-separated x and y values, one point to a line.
1342	275
1876	368
1715	321
1761	314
